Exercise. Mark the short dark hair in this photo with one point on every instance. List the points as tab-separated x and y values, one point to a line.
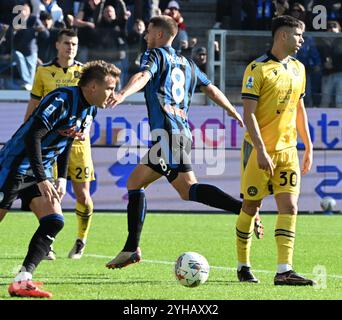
168	24
98	70
285	21
44	15
67	32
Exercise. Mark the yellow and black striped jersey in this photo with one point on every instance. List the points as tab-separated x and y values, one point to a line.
51	76
277	87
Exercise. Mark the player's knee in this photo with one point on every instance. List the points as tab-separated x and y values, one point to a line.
83	197
290	208
251	207
132	184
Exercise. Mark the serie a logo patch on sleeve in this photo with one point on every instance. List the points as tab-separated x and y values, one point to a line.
49	110
250	82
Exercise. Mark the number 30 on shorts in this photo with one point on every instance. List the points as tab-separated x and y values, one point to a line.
80	171
288	178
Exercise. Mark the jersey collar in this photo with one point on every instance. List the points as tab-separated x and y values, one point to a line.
274	58
55	62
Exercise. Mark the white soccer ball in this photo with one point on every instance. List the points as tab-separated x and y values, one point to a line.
191	269
328	203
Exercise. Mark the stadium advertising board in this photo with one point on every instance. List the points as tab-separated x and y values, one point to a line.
216	155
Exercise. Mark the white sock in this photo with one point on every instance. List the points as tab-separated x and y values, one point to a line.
284	268
23	276
240	265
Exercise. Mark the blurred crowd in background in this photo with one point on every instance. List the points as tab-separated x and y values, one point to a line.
113	30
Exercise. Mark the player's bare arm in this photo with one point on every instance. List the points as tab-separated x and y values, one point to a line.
136	83
264	159
304	133
32	105
218	97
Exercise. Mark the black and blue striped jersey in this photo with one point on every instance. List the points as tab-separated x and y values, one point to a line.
65	113
169	92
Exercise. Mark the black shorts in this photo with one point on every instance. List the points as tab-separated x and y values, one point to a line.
170	158
19	186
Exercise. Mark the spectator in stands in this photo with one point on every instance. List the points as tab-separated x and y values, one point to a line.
136	46
280	7
130	5
122	14
25	46
141	9
298	11
181	41
47	39
199	56
110	42
187	53
268	9
331	53
55	10
90	13
155	11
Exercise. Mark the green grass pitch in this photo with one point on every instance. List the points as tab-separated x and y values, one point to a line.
318	252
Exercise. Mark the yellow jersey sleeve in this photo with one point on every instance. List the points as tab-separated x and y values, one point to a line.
252	81
37	91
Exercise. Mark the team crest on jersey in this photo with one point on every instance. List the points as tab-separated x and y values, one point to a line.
250	82
252	191
53	74
77	74
295	71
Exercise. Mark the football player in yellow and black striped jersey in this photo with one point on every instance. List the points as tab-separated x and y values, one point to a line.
272	91
64	70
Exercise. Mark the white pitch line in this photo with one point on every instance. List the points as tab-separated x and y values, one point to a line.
211	267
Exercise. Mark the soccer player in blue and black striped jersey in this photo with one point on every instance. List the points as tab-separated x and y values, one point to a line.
27	158
169	80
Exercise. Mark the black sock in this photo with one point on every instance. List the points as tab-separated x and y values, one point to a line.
49	226
136	210
214	197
